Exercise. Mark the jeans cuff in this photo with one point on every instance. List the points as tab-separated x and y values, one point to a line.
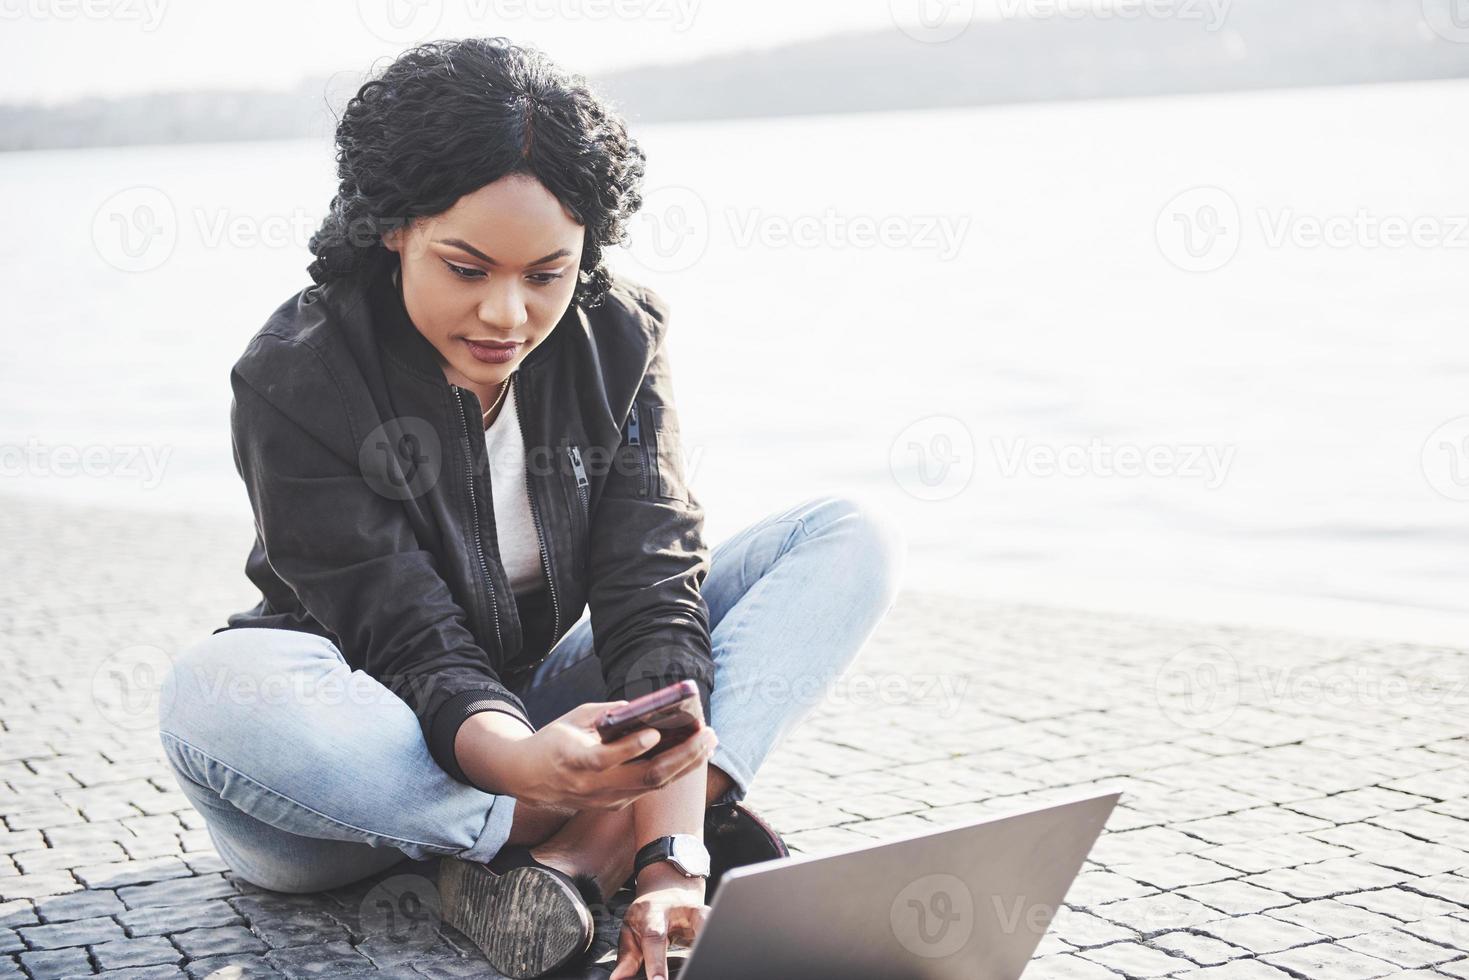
740	774
496	830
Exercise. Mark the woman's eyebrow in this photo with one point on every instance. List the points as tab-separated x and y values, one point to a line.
461	243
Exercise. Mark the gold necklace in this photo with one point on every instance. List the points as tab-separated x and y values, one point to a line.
504	387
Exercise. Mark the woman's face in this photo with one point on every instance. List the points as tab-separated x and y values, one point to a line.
499	266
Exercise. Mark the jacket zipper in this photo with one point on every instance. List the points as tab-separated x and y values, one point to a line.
479	547
582	493
635	438
535	514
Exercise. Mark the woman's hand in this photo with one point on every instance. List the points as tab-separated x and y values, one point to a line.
566	763
669	908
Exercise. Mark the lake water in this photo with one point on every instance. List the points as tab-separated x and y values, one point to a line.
1004	325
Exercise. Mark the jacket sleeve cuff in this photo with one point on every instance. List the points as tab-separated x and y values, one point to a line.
454	712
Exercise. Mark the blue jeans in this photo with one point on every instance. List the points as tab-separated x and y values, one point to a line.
310	775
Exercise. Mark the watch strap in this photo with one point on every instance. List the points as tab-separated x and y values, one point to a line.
658	850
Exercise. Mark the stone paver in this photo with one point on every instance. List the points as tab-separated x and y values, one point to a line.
1292	806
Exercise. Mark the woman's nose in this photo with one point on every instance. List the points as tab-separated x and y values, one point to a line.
503	310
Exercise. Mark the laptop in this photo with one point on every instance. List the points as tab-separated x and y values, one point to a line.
964	902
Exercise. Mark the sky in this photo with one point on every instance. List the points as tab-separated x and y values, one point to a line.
55	50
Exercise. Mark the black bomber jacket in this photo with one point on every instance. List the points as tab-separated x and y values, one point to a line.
367	474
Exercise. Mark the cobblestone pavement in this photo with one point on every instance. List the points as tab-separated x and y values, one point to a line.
1292	806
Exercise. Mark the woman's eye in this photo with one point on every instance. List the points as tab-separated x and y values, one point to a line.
469	272
464	271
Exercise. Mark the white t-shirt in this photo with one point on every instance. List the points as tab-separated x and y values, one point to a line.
515	529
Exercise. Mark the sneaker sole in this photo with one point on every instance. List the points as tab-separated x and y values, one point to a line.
527	921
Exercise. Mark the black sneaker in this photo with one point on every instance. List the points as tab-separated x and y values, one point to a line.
734	837
526	917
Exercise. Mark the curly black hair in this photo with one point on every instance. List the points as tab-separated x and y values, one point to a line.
448	117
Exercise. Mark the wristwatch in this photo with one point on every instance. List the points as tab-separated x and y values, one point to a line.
684	851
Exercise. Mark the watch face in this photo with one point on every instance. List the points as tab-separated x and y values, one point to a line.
691	854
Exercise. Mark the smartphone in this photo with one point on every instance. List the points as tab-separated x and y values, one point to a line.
673	710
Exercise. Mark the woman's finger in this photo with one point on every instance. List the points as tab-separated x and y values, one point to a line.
629	957
653	937
604	756
690	925
586	715
668	766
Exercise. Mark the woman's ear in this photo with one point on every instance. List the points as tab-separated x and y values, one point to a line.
393	239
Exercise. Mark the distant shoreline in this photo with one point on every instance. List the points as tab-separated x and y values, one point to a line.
326	138
1262	45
